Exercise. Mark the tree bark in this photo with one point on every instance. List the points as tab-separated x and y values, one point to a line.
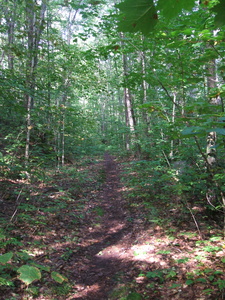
211	139
129	112
10	17
35	16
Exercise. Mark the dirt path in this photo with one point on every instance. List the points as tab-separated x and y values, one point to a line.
98	264
108	246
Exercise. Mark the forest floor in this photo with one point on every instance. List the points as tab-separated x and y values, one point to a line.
87	230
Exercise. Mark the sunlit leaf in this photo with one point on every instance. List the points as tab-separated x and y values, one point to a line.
164	252
215	238
28	274
6	282
212	248
58	277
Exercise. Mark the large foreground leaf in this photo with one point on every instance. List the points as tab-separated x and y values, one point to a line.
142	15
138	15
170	8
219	9
28	274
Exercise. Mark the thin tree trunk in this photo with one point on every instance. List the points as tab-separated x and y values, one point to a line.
34	22
211	139
129	112
145	88
9	10
173	120
29	127
63	139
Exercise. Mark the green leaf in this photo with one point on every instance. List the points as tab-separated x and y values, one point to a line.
211	277
58	277
41	267
24	256
5	257
164	252
215	238
29	274
175	285
212	248
208	291
219	9
171	274
202	280
134	296
142	15
219	130
137	16
220	283
182	260
4	281
189	282
171	8
218	272
192	131
156	274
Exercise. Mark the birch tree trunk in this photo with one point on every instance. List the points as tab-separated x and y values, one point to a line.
129	112
9	10
211	139
171	155
145	88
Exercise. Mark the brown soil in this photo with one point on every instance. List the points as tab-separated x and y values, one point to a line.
96	266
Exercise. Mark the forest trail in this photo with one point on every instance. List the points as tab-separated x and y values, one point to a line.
105	254
82	224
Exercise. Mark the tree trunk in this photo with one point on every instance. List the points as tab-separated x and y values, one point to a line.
35	24
144	99
10	17
211	139
171	155
129	112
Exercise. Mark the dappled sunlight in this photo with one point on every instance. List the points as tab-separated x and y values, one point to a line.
126	189
85	291
86	232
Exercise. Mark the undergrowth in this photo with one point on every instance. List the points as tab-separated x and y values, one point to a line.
34	210
191	241
177	253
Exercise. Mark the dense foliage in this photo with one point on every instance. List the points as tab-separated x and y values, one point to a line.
140	79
